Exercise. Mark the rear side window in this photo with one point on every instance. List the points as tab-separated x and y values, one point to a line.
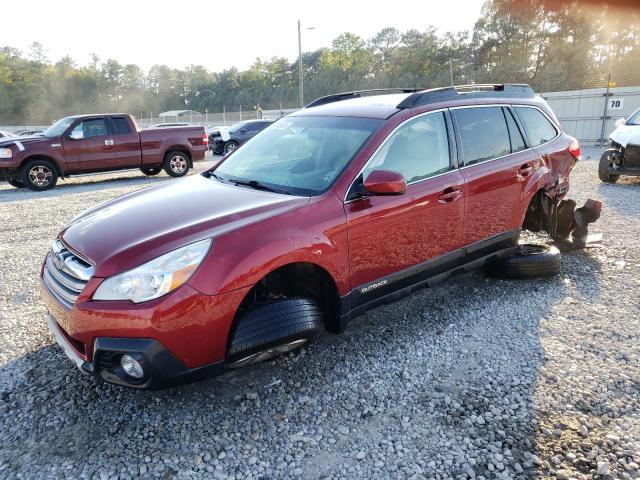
418	149
483	133
517	142
121	124
537	127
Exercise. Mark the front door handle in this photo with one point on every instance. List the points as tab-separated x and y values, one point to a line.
108	142
525	170
449	195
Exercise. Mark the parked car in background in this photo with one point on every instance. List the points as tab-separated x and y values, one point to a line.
26	133
238	134
623	155
97	143
217	132
5	134
339	207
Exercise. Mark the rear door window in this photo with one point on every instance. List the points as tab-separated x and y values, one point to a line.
121	125
538	128
483	133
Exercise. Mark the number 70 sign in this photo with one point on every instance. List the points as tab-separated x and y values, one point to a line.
615	103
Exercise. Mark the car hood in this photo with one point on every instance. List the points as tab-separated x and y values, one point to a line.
625	134
4	141
123	233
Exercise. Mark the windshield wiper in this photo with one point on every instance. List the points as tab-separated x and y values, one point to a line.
218	177
257	185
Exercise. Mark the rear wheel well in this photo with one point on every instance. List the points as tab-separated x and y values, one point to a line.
302	279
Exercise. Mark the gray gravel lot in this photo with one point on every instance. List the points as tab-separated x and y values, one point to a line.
474	378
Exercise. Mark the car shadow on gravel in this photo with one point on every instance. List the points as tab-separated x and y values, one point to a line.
451	371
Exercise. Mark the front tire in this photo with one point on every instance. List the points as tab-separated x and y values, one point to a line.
176	164
39	175
604	165
151	171
268	331
530	261
230	146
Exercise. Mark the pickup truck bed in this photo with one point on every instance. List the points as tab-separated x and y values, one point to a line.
97	143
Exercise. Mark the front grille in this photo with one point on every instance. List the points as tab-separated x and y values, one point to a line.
65	274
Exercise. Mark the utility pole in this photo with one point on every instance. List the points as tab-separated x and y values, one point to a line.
300	72
451	71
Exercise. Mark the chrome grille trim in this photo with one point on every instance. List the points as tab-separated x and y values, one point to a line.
65	274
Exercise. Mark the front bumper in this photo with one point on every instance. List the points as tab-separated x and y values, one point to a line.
180	337
161	368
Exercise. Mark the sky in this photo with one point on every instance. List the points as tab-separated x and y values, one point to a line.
217	35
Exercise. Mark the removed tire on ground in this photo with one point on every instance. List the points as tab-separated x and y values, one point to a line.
270	330
530	261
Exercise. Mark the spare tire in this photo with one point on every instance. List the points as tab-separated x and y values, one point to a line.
530	261
267	331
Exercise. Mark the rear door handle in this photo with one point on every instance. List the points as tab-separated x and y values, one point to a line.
108	142
449	195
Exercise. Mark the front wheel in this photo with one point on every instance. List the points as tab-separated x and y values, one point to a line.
176	164
230	147
603	166
273	329
39	175
150	171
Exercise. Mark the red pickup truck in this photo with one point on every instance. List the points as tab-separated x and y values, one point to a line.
97	143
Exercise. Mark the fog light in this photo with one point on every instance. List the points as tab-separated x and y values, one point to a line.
131	367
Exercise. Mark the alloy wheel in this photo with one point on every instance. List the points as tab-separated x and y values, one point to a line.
40	176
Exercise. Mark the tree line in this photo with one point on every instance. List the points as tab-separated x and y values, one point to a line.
550	44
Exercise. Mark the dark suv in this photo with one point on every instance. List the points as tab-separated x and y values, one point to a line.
330	211
238	134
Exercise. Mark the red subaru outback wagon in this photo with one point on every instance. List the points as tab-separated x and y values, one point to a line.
352	201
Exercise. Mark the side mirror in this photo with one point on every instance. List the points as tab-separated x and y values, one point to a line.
385	182
75	135
620	122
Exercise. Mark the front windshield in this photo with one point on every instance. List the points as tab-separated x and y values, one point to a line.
634	119
58	127
299	155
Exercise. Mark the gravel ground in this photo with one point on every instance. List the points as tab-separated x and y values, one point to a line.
474	378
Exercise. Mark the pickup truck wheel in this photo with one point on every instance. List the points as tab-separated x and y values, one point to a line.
39	175
270	330
176	164
150	171
15	183
604	165
230	147
530	261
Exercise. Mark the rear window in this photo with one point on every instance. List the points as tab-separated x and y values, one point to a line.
483	133
537	127
121	124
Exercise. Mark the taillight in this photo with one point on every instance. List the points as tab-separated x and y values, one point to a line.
574	149
205	140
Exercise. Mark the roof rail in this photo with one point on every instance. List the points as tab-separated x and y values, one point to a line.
337	97
492	90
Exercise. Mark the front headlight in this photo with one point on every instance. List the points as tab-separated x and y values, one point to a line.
156	277
6	153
